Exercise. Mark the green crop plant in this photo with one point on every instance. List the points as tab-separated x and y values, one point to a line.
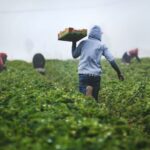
47	112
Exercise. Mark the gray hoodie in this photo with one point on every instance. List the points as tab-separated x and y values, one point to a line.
90	52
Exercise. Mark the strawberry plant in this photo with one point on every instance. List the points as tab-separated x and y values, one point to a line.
47	112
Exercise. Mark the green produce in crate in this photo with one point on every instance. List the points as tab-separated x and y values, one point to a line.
70	34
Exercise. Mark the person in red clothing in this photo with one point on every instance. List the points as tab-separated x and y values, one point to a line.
3	58
127	56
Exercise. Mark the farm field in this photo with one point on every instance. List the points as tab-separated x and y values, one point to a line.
48	113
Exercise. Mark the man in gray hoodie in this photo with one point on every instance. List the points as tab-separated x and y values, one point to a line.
89	69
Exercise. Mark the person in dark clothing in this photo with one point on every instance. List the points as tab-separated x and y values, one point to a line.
127	56
3	58
39	63
89	68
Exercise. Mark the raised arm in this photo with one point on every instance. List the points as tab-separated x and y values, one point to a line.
76	50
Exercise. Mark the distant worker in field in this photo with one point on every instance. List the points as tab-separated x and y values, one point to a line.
39	63
127	56
3	58
89	68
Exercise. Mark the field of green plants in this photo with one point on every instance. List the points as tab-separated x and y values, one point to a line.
48	113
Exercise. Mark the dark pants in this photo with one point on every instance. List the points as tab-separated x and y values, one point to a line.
126	58
89	80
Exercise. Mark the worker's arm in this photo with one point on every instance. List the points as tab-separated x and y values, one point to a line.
76	50
138	59
111	60
2	65
116	68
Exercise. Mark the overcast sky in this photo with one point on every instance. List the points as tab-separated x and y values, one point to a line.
31	26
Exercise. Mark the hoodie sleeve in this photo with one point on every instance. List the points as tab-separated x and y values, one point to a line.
107	54
76	51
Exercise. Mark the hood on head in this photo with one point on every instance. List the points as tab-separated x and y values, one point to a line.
95	32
